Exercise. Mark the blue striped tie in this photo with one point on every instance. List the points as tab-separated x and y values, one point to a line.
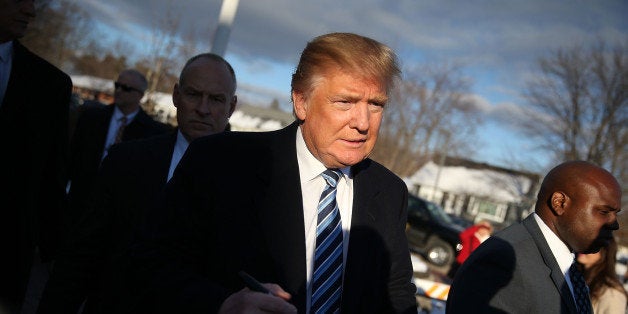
327	276
580	289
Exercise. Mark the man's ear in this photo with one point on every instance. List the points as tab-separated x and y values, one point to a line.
176	94
299	104
233	104
559	202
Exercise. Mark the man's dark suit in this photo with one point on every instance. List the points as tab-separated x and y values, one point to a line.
235	204
33	164
513	271
131	178
87	148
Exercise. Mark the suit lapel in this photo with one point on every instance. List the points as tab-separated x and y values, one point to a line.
162	155
17	86
100	126
366	189
281	212
550	261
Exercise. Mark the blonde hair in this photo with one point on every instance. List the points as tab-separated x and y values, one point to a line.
352	53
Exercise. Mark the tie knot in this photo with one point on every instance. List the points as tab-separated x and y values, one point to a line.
574	268
123	120
331	176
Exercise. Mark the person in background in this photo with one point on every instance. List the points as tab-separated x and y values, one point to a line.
530	267
607	293
99	127
131	179
34	105
470	239
276	204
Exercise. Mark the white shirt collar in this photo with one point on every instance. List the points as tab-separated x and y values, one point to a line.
561	251
180	146
182	143
117	114
309	166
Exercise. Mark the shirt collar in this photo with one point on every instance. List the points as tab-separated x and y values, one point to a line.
182	143
309	166
6	50
560	250
117	114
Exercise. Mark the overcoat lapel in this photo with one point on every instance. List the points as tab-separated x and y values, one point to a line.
102	127
366	189
19	89
550	261
161	156
281	212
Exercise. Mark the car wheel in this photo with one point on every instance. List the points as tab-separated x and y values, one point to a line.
439	252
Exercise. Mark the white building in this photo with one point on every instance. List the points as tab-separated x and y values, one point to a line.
475	191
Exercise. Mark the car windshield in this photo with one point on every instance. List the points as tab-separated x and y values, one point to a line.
439	213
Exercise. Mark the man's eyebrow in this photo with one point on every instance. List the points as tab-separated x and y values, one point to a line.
379	99
192	88
356	95
611	208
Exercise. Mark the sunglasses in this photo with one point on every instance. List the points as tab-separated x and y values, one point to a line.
126	88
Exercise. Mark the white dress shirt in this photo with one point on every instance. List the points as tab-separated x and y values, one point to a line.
312	185
179	149
561	252
114	124
6	59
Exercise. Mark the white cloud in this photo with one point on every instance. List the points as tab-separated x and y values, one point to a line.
498	41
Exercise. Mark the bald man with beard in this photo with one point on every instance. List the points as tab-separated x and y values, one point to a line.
526	267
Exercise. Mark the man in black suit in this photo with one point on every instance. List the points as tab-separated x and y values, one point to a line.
527	267
247	201
131	179
34	102
98	127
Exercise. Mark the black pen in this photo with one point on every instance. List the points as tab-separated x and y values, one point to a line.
252	283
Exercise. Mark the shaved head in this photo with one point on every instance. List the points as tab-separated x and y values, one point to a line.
579	202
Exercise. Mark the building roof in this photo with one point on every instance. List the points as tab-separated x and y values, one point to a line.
489	182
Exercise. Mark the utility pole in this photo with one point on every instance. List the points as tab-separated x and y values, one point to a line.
441	162
221	37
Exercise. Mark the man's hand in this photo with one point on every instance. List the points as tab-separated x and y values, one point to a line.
247	301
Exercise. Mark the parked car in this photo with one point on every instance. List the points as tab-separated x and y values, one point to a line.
460	221
431	232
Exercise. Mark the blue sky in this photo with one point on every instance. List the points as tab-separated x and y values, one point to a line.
497	42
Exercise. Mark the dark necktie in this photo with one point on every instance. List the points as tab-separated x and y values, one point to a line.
327	275
580	289
120	131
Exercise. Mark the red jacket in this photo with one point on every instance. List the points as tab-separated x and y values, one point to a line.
469	242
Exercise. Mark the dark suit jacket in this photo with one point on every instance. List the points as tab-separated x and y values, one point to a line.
130	180
235	204
87	147
33	163
513	271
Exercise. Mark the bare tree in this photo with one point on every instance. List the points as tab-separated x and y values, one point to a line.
160	64
107	67
60	31
581	100
429	112
581	96
193	41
